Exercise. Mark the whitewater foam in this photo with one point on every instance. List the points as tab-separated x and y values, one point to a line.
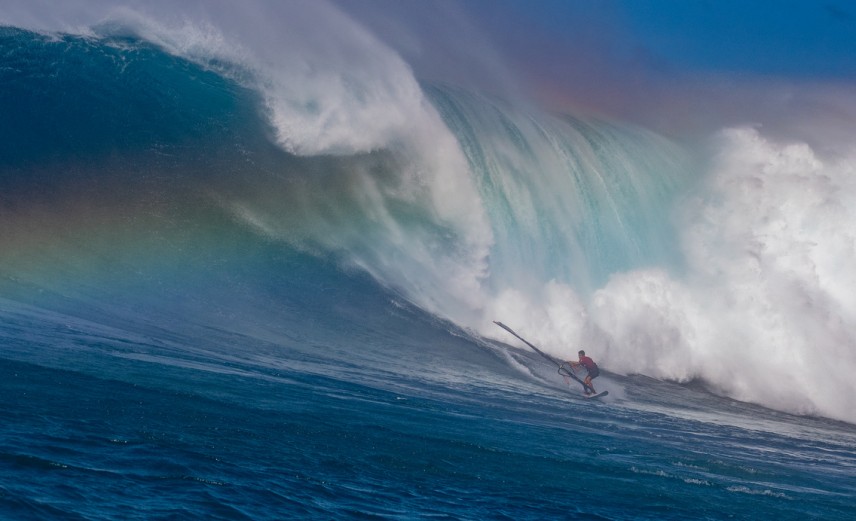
762	314
762	308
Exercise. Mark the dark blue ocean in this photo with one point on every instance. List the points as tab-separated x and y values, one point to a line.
212	309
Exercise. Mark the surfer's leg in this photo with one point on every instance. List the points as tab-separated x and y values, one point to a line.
590	386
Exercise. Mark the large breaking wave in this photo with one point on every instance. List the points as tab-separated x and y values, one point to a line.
735	271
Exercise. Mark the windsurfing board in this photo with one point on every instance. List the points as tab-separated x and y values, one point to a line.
598	395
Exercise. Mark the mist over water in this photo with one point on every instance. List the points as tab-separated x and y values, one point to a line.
575	231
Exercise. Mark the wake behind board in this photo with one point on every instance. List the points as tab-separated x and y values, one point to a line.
598	395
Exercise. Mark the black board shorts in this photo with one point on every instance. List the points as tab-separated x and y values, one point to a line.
594	373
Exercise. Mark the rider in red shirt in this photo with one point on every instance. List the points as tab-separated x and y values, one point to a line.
591	368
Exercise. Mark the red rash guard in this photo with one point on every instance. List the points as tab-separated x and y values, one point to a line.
589	364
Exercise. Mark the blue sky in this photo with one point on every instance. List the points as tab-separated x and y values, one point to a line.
778	37
687	65
782	37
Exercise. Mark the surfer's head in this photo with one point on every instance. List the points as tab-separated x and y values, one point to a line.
581	353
